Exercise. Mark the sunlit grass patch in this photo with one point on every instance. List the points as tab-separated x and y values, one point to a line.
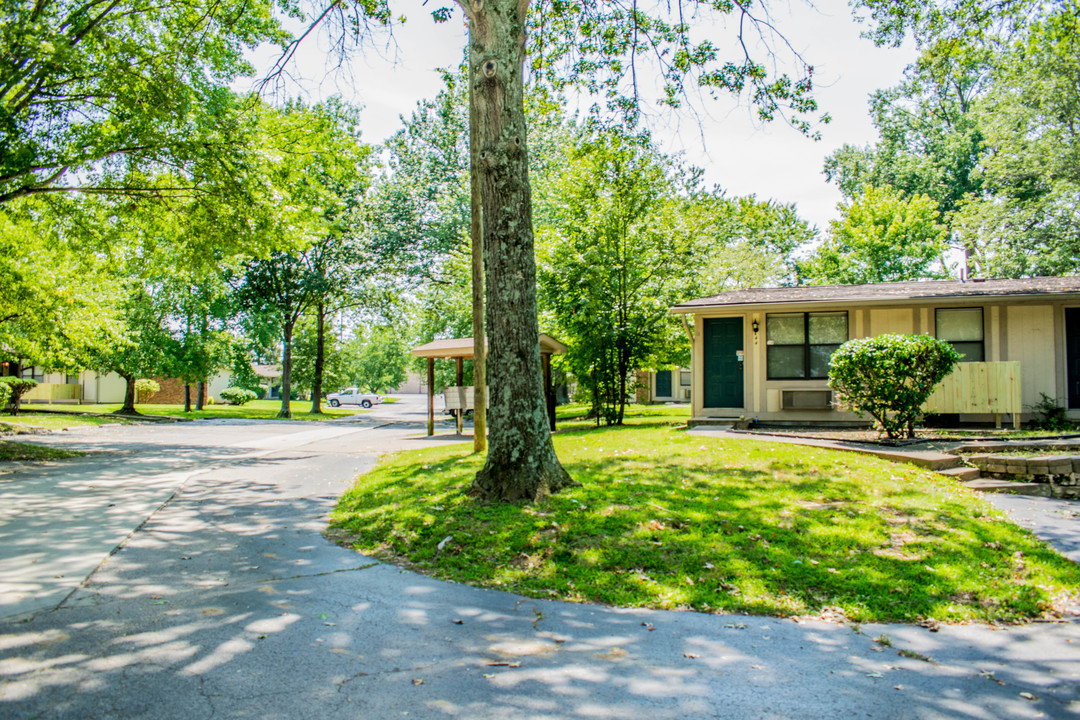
671	520
254	410
24	451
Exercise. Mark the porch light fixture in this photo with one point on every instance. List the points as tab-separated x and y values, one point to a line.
754	325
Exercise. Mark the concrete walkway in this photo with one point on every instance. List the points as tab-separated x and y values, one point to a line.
228	603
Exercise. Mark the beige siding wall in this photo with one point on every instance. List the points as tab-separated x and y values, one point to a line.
892	320
1030	340
102	388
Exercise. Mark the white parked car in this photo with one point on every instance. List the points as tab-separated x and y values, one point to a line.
353	396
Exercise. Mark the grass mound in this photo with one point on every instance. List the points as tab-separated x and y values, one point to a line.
666	519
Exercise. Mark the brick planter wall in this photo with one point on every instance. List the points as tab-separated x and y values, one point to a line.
1060	473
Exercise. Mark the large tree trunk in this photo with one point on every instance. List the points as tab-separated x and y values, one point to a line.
320	359
200	394
129	396
286	372
521	462
187	396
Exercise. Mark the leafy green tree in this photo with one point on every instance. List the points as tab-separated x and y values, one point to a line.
890	377
1028	221
947	131
90	91
609	264
11	391
276	292
739	242
317	170
58	291
881	237
147	348
337	357
419	209
380	359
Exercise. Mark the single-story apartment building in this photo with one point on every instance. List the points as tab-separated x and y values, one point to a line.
89	387
763	353
664	386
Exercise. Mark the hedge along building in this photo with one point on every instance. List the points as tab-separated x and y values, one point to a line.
763	353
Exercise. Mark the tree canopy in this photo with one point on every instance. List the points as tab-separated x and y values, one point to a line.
90	92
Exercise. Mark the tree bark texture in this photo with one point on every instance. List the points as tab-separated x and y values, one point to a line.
320	358
200	394
187	397
521	462
286	372
129	396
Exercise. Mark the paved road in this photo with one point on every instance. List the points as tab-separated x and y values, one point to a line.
228	603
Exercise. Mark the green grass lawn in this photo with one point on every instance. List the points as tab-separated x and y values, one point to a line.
254	410
666	519
11	451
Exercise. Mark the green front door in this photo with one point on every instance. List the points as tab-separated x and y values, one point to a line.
723	362
663	383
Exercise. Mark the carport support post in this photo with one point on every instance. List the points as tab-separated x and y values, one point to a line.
460	382
431	396
549	396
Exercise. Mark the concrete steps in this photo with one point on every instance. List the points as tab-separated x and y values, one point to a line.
1008	486
962	473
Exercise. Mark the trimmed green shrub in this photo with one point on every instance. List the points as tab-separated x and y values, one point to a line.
890	377
16	387
237	395
5	395
145	388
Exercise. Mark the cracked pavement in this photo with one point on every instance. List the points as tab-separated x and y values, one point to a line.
227	602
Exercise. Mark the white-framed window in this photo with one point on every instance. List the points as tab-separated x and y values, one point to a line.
799	345
963	329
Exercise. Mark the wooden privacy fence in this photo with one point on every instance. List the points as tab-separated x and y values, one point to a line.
53	392
980	387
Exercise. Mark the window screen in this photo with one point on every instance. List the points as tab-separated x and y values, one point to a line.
963	329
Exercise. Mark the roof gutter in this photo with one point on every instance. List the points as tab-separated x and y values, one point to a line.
877	302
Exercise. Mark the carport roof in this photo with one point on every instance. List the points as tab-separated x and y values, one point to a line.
887	292
463	347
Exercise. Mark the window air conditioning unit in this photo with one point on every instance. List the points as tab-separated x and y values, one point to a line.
686	394
806	399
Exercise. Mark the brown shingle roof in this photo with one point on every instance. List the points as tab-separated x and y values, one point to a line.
884	292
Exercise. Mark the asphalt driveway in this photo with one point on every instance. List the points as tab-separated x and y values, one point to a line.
224	600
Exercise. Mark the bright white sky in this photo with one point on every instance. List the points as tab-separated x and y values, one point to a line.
736	151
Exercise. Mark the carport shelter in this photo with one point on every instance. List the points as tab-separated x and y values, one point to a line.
461	398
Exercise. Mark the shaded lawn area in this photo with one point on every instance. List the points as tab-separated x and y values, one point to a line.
666	519
22	451
254	410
